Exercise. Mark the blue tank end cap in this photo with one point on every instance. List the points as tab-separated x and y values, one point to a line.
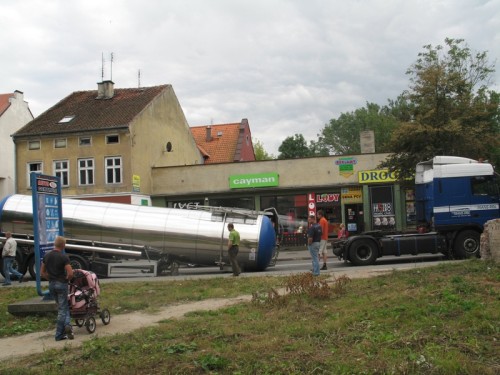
267	244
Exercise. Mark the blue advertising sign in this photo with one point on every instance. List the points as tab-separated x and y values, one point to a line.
47	217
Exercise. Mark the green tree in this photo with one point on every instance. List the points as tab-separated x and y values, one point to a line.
260	153
342	135
294	147
450	109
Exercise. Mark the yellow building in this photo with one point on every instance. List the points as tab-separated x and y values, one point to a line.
103	143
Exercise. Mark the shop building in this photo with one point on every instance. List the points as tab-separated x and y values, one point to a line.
349	189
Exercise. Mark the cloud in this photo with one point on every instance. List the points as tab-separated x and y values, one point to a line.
288	66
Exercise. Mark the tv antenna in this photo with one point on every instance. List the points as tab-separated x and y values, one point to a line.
103	63
111	66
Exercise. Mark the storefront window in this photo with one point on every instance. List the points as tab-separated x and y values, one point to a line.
410	207
239	202
292	209
382	205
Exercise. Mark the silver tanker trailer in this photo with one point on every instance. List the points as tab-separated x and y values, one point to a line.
100	233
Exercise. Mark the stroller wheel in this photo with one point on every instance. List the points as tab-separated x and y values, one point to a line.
105	316
79	322
90	325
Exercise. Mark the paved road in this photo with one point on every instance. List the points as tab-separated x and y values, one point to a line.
291	261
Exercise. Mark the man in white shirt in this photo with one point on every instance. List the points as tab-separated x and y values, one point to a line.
8	257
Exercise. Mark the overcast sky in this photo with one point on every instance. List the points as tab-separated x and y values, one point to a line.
288	66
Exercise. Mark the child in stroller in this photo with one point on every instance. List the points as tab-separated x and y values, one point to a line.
82	298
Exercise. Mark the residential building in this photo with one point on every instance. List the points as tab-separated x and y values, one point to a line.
14	113
224	143
103	143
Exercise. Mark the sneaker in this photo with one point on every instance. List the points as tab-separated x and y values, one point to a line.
324	267
69	332
62	338
20	280
5	284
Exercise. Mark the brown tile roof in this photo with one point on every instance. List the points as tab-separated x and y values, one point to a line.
91	113
4	102
222	146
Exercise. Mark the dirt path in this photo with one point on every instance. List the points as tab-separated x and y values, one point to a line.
38	342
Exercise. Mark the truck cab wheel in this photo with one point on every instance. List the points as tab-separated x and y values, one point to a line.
363	252
467	244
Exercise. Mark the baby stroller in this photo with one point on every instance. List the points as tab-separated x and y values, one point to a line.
82	298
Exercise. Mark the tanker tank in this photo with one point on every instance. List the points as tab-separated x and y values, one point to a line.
191	236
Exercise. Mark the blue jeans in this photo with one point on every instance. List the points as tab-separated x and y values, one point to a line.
59	291
314	251
7	269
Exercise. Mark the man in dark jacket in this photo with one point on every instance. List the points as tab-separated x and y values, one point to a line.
313	240
57	269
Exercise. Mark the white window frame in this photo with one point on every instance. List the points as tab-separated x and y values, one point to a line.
87	170
61	171
84	144
60	142
34	144
28	171
115	168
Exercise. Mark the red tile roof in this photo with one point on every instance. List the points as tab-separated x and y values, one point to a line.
222	146
91	113
4	102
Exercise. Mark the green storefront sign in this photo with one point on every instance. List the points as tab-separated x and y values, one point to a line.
243	181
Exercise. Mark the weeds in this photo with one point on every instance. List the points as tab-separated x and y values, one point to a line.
441	320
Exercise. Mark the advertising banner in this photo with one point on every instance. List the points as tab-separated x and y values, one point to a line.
47	216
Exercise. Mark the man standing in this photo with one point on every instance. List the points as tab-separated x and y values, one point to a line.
8	256
233	247
313	241
57	269
324	238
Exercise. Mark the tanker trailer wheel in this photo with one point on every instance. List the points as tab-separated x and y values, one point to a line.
105	316
467	244
90	324
78	262
363	252
167	268
17	264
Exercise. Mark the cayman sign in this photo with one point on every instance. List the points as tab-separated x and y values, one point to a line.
258	180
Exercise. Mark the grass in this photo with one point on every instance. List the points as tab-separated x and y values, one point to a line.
439	320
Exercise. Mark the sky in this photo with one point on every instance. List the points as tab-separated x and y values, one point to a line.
288	66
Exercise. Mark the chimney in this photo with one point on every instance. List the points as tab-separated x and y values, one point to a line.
105	89
209	134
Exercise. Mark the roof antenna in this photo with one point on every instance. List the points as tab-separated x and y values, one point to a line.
111	66
139	78
102	66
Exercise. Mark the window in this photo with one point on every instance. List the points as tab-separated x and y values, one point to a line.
33	145
85	141
484	185
86	171
60	143
113	166
111	139
66	119
61	170
36	167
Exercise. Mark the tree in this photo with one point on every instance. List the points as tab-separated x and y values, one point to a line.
260	153
451	110
342	135
294	147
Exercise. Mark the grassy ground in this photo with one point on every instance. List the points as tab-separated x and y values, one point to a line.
440	320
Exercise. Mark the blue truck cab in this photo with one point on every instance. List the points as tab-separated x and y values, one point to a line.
454	198
453	192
